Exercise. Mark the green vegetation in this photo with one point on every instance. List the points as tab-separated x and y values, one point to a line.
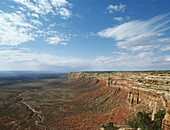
109	126
143	121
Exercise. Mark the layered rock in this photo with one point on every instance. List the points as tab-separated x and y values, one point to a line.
145	90
166	120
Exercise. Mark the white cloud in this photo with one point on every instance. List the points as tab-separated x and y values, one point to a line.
24	25
65	13
118	19
40	6
167	48
23	59
43	7
52	25
140	35
12	7
16	19
19	59
14	29
133	61
59	3
35	15
140	45
36	22
119	8
21	27
22	9
63	43
56	40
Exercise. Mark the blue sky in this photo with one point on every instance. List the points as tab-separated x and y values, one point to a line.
84	35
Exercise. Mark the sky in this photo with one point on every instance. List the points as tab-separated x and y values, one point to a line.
84	35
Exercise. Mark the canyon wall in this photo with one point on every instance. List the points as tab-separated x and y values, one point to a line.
166	120
146	91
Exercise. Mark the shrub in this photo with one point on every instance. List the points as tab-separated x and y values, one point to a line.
109	126
143	121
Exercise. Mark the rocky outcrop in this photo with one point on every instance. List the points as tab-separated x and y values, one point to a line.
166	120
157	81
145	90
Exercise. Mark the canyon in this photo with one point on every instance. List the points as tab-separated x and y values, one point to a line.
84	100
145	91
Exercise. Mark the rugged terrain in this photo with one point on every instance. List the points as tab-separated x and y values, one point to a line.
85	100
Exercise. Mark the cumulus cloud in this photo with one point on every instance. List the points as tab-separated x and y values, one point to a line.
140	35
118	8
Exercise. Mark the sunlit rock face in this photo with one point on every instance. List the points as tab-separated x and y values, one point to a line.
166	120
145	90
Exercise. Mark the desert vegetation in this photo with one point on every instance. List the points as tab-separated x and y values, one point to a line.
74	103
143	121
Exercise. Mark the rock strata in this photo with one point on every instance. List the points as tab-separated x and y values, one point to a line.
145	90
166	120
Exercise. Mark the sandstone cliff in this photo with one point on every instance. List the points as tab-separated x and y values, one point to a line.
166	120
144	91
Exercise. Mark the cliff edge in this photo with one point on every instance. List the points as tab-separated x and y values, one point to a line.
145	91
